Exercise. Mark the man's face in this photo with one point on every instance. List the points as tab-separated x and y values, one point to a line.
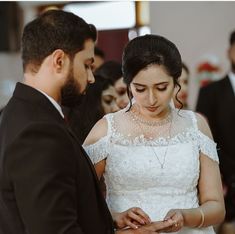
79	75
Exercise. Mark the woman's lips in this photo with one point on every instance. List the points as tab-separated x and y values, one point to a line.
152	109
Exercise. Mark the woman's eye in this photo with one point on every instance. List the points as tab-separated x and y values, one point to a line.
108	102
122	92
139	90
161	88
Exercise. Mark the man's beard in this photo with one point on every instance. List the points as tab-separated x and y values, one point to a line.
70	93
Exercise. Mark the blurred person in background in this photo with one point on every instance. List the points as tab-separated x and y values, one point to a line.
100	99
216	102
183	91
113	70
98	59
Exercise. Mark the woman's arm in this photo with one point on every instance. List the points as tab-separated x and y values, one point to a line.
210	193
96	133
210	196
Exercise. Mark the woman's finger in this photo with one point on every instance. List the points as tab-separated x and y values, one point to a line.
130	224
136	217
140	212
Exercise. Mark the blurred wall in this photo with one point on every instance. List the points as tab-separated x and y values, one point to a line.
11	72
198	29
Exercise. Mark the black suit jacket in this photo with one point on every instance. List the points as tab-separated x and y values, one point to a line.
217	102
47	183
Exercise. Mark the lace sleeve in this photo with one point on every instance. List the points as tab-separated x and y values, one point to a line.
208	147
97	151
205	141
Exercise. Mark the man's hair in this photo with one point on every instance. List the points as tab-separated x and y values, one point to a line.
232	38
55	29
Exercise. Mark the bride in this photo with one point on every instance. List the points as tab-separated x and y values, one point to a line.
153	156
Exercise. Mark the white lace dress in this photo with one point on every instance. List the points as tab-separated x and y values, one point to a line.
155	167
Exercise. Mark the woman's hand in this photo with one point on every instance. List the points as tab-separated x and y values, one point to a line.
152	228
176	215
133	218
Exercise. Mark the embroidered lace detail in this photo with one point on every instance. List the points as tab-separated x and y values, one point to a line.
98	151
208	147
133	175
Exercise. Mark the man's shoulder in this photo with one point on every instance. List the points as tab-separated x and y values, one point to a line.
216	84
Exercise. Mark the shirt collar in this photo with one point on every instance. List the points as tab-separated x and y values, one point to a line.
231	76
54	103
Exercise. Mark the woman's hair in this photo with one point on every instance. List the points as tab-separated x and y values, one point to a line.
83	117
147	50
110	70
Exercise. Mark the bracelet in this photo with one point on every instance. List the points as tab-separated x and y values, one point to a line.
202	218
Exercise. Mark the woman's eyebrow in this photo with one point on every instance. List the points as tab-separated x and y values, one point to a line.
160	83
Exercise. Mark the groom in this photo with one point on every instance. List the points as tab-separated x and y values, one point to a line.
47	183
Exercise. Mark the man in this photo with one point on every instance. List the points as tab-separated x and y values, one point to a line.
217	102
47	183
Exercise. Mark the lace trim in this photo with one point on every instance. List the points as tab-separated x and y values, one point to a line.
100	150
110	123
208	147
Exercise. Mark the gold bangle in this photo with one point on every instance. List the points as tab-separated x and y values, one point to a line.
202	217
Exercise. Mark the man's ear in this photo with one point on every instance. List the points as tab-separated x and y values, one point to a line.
60	61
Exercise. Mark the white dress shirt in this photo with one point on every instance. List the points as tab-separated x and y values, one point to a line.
231	76
54	103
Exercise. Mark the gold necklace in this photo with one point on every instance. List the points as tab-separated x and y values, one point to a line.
169	118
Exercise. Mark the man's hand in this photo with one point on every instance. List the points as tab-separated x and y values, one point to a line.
132	218
151	228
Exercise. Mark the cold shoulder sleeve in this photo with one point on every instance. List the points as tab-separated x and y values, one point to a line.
205	140
99	150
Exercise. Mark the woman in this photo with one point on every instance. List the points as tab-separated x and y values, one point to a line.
160	159
100	99
113	70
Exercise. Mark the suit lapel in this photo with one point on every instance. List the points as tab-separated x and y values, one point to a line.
84	154
229	96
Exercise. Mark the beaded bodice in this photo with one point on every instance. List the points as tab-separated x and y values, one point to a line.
133	174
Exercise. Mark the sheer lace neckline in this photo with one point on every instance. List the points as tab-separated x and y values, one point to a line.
152	123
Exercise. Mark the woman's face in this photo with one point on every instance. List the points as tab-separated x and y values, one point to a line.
108	100
152	89
121	89
183	93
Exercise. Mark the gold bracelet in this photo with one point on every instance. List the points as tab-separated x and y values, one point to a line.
202	218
